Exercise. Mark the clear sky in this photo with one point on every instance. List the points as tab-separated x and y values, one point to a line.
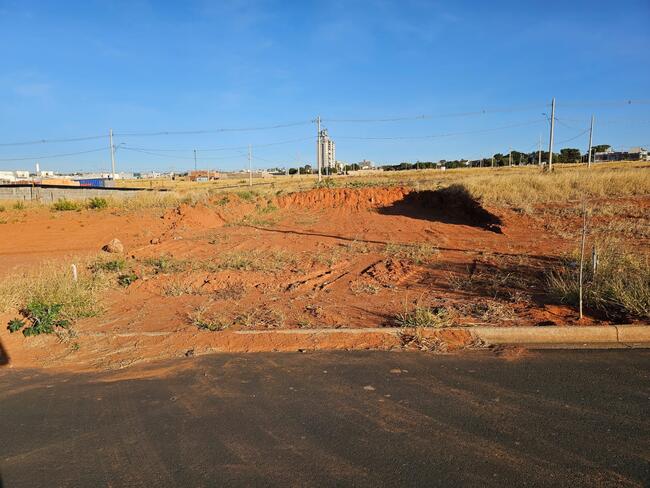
73	69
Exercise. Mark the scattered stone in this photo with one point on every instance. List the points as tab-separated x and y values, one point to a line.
115	246
189	353
155	240
396	371
369	388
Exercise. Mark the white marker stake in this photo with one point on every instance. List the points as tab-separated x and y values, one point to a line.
74	273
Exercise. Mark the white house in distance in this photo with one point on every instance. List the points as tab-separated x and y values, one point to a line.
633	154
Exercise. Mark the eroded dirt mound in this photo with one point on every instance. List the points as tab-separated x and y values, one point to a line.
453	205
189	217
350	198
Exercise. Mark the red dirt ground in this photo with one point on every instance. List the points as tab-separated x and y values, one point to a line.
328	258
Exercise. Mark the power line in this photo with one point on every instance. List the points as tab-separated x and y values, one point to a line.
49	141
224	148
449	134
50	156
177	158
210	131
572	138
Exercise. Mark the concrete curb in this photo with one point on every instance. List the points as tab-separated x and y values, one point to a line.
387	338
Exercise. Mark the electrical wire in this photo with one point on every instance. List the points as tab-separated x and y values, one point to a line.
231	148
449	134
49	141
572	138
50	156
210	131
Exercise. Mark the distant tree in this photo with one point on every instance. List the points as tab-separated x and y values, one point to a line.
569	155
292	171
600	148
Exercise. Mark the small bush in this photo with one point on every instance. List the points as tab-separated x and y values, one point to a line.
64	205
166	264
97	203
19	206
113	265
126	279
2	208
43	318
425	317
247	195
202	318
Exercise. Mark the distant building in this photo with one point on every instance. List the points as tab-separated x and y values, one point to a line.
634	154
327	151
203	175
366	164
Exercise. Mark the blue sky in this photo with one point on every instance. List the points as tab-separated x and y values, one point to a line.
72	69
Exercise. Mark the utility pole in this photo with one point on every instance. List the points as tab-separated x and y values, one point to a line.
591	135
110	137
539	151
550	141
493	160
318	151
509	156
195	160
250	166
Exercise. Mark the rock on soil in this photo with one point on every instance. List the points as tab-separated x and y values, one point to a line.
115	246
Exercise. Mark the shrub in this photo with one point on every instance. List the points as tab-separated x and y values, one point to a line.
113	265
166	264
425	317
64	205
203	319
2	208
97	202
43	318
126	279
247	195
19	206
619	288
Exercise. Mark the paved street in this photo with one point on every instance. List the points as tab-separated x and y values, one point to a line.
553	418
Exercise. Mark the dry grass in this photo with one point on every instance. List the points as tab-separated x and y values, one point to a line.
417	253
262	317
203	318
420	316
619	288
52	283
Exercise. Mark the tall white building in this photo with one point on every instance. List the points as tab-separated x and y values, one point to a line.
327	151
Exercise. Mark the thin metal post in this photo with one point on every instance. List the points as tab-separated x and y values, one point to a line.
550	141
591	134
318	150
250	166
582	255
110	136
539	151
509	156
195	160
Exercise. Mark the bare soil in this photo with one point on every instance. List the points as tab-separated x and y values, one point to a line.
326	258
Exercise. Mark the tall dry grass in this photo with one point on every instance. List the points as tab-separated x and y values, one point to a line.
52	283
618	288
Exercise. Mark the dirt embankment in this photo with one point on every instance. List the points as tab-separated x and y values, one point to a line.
325	258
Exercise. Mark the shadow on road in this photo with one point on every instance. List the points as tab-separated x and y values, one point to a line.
4	360
450	205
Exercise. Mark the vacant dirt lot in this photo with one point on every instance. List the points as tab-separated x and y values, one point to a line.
324	258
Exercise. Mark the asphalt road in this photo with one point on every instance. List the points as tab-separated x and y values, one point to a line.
555	418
